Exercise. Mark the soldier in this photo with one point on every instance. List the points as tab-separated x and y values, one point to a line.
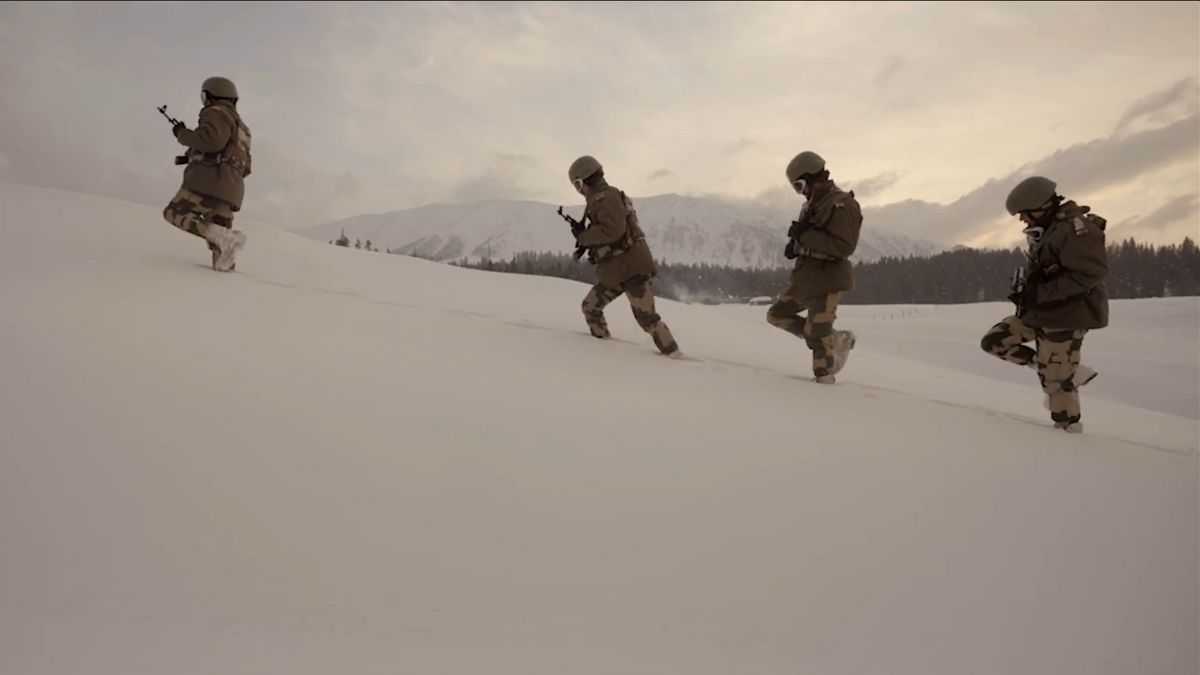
820	240
617	246
218	159
1061	298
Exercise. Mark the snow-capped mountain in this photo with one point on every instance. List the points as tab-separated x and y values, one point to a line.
680	230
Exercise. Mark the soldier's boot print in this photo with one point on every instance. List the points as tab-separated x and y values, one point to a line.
593	309
1058	359
1006	340
641	301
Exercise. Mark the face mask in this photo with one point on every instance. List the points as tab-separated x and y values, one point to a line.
799	185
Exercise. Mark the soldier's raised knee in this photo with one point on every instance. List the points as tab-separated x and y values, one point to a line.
775	314
991	341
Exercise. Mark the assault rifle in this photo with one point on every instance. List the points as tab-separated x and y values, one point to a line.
576	225
179	159
1017	289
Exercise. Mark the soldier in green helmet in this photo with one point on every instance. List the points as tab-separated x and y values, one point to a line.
616	244
1059	295
218	160
820	240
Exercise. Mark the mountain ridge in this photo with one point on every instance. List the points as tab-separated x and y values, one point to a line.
679	229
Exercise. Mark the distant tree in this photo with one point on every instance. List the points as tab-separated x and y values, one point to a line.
963	275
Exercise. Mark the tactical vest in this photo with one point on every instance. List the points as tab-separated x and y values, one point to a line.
829	203
633	234
1042	264
236	152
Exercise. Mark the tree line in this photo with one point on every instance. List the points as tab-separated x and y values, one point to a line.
961	275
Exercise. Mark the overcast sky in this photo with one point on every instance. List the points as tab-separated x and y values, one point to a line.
929	111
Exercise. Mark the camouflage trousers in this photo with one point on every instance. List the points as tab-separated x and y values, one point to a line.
641	300
192	212
1056	356
816	329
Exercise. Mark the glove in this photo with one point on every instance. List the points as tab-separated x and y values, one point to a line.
577	230
789	251
798	228
178	127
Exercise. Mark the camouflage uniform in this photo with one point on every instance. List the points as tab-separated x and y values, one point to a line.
189	211
218	161
1067	266
816	329
616	243
830	222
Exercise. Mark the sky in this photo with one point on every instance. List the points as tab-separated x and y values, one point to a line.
929	111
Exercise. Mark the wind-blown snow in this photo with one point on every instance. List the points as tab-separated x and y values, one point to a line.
335	461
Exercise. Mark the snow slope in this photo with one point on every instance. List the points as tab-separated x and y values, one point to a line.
679	230
336	461
1148	358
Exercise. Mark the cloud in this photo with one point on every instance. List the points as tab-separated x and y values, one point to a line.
873	185
741	145
1164	106
504	178
776	198
1181	209
290	189
379	106
889	70
1079	170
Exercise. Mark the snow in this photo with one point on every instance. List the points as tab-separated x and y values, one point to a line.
679	230
342	461
1149	357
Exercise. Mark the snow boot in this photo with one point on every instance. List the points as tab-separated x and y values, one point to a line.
843	342
227	243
